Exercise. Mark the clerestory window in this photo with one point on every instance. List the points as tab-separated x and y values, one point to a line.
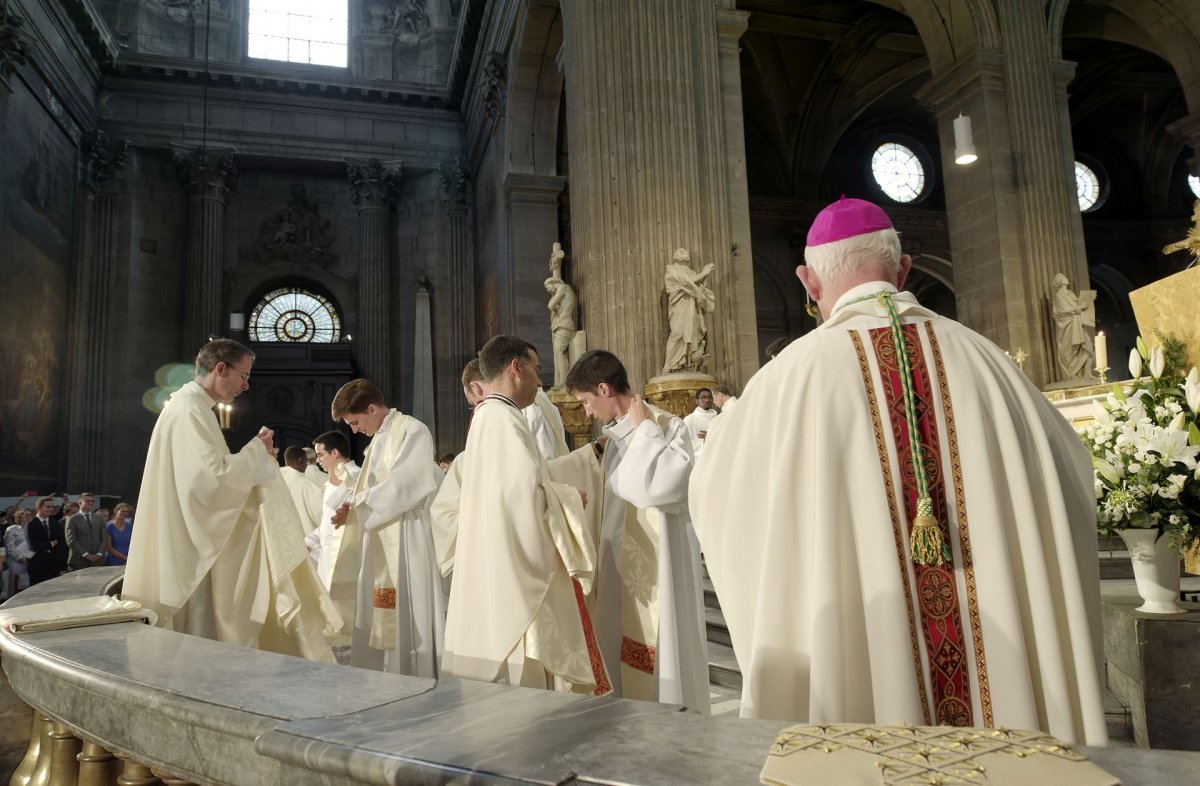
299	31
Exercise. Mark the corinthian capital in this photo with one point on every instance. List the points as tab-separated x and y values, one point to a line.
104	158
205	172
373	183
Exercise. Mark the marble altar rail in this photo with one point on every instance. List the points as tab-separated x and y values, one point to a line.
187	710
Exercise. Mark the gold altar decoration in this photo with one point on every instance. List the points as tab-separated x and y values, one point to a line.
576	421
1169	307
1190	242
676	393
924	756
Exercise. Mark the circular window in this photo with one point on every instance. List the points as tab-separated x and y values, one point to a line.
1194	184
1087	187
295	314
898	171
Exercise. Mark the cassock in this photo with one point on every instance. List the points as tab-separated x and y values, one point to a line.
523	563
219	551
306	496
400	610
648	606
699	420
545	421
803	499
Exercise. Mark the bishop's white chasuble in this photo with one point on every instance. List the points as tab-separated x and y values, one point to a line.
803	499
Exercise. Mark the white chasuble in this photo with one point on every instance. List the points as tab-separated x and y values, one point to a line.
523	563
405	614
802	501
219	551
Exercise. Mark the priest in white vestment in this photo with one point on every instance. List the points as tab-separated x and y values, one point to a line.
400	609
338	557
699	418
312	469
219	549
545	421
648	606
523	559
306	495
901	530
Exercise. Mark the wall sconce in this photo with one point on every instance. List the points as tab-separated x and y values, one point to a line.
237	321
225	415
964	141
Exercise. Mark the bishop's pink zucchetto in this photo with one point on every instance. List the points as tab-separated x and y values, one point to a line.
846	218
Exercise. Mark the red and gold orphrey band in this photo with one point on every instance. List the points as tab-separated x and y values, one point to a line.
599	673
637	655
385	598
938	603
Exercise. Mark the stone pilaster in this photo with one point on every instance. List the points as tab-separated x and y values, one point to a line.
532	214
654	131
373	185
13	50
92	313
208	176
1013	216
457	310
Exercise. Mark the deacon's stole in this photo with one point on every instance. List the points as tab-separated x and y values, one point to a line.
943	608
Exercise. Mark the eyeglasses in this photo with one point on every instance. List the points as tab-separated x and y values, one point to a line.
245	377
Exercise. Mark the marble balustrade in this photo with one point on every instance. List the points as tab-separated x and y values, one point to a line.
173	709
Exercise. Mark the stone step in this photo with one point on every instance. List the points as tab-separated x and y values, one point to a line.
723	667
1118	718
710	595
717	630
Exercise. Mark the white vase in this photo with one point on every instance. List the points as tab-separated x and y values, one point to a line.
1156	570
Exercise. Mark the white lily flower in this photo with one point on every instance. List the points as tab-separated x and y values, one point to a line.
1191	391
1193	376
1135	364
1101	413
1158	362
1177	422
1173	448
1107	471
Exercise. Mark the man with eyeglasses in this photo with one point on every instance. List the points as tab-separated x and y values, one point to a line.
209	518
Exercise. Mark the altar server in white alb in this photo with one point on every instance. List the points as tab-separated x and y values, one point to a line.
649	602
338	550
219	550
400	606
901	529
699	418
306	495
523	558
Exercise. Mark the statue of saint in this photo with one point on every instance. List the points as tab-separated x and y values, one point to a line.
1191	243
688	300
1074	324
556	259
562	324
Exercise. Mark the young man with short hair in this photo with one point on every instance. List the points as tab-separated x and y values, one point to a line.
87	537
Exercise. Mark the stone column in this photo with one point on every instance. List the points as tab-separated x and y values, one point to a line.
654	123
373	184
456	312
208	176
532	216
92	311
1013	215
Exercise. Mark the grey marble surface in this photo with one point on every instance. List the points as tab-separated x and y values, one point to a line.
215	713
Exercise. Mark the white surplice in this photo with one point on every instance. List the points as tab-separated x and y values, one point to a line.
338	552
400	604
545	421
219	551
306	496
698	420
522	559
802	507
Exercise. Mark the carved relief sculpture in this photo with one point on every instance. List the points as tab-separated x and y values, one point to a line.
297	234
563	304
1191	243
104	158
406	18
12	48
1074	323
688	300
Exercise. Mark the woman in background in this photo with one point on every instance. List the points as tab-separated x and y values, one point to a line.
120	530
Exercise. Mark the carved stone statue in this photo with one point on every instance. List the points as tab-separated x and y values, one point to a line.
1074	325
1191	243
556	259
562	323
688	300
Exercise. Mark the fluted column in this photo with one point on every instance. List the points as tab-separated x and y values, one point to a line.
92	312
373	184
457	313
208	175
654	131
1013	215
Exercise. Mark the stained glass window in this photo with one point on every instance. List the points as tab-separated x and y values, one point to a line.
898	171
1087	187
299	31
294	314
1194	184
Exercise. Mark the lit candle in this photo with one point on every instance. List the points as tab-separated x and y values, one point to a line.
1101	351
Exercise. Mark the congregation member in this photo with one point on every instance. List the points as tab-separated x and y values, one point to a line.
338	550
523	559
120	532
18	552
444	461
699	418
306	494
880	554
649	603
400	606
40	533
219	552
86	536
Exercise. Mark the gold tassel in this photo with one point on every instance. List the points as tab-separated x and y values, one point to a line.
925	539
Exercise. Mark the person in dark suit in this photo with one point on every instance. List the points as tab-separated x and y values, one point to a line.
42	565
86	536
